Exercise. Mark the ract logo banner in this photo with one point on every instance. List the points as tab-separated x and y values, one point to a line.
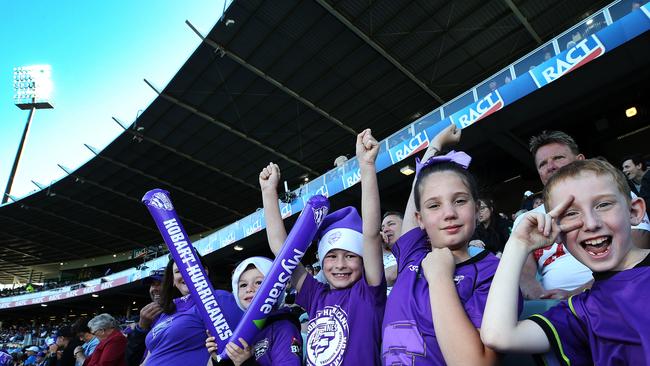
409	147
585	51
477	111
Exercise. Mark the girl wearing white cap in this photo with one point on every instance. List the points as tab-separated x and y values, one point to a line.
346	313
279	342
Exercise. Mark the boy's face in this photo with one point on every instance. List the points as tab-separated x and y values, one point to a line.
604	239
249	282
342	268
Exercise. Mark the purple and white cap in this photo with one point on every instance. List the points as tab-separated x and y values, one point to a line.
262	264
340	230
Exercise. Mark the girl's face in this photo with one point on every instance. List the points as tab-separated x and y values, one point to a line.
179	283
249	282
484	213
447	210
342	268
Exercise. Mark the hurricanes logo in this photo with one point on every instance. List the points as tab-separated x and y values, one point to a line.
327	337
161	326
161	201
260	348
336	235
319	214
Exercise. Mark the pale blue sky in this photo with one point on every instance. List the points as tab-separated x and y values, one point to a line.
100	52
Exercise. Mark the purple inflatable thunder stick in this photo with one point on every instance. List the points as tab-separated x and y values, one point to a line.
185	257
293	249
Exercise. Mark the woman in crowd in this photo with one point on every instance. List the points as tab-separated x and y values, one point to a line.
492	230
112	343
178	336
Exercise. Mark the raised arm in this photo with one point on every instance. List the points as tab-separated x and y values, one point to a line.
447	137
367	149
276	233
501	328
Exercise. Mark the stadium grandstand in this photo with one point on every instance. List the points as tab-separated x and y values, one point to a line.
293	82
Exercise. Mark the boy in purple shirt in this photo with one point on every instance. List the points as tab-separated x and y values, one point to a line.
606	325
434	311
279	342
345	314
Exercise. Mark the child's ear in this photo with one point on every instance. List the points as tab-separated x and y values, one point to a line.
637	211
418	217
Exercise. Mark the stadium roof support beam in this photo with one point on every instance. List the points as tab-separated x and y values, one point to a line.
17	251
235	132
105	212
162	181
271	80
522	19
184	155
75	222
123	196
48	247
379	49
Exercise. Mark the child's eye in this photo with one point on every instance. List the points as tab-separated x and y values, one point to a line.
460	201
433	206
258	283
242	285
602	205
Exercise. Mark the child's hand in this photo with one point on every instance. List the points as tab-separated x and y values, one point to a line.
237	354
211	345
270	177
537	230
439	263
447	137
367	148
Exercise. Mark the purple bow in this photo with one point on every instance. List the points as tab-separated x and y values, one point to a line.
457	157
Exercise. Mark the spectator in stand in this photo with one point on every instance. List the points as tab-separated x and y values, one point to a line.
61	353
31	355
136	348
391	230
492	230
41	360
90	342
112	343
634	169
562	275
178	336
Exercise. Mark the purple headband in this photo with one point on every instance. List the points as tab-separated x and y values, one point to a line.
457	157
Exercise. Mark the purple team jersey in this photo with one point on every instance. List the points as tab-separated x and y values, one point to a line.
344	325
408	334
279	343
607	325
179	338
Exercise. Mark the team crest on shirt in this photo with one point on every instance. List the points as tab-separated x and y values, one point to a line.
458	278
327	337
260	348
161	326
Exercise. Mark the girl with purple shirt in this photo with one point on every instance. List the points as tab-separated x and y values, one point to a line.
279	342
177	337
345	314
434	312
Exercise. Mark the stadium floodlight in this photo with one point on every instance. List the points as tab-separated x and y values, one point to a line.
33	90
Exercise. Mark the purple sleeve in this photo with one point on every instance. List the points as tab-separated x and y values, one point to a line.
406	245
566	334
287	344
228	305
475	305
310	290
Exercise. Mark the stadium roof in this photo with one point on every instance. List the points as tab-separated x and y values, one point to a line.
290	82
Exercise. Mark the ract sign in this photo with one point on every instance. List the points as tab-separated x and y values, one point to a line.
567	61
477	111
409	147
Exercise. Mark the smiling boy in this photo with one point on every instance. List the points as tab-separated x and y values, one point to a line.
606	325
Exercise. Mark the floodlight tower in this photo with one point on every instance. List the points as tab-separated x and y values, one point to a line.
33	87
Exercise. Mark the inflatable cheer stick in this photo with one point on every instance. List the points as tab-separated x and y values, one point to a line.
188	263
285	262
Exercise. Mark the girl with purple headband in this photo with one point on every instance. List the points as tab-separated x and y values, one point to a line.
345	314
434	312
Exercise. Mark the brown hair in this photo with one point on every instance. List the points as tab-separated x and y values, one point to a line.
551	137
598	167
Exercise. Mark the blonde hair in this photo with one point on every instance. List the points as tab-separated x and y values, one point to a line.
598	167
